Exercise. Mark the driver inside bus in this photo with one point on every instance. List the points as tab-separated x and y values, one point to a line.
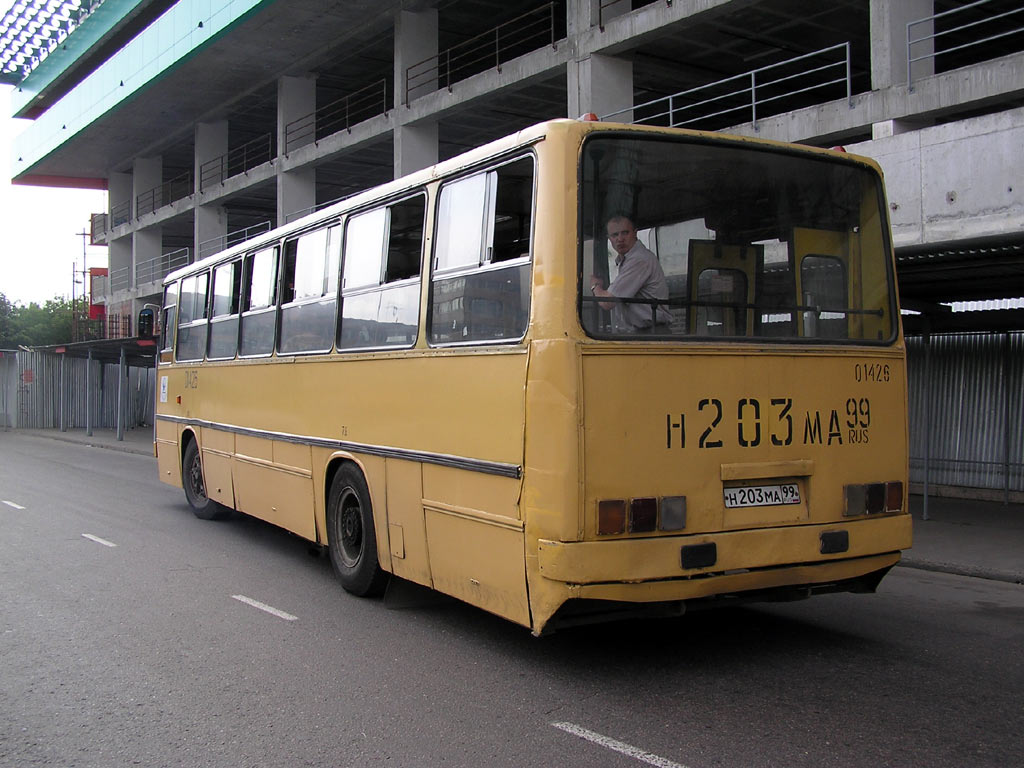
640	277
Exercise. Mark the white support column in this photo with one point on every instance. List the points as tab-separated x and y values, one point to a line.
296	190
415	42
888	26
415	145
147	174
210	224
147	247
119	192
119	274
602	85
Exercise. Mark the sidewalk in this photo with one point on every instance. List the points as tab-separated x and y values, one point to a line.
138	440
971	538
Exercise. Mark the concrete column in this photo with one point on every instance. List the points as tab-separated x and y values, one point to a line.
147	247
296	190
210	225
415	146
119	191
602	85
296	194
415	42
119	255
296	99
211	229
147	174
211	142
888	26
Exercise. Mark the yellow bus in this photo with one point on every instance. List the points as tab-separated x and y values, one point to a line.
421	378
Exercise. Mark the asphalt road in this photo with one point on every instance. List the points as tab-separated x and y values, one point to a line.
129	636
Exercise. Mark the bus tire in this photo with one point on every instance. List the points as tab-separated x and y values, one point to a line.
351	537
194	483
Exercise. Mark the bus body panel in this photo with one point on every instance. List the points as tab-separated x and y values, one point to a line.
702	421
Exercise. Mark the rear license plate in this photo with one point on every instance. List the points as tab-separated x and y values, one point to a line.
762	495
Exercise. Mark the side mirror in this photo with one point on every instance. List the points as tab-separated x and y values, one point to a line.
147	322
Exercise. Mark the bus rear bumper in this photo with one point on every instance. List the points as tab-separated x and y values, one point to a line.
652	569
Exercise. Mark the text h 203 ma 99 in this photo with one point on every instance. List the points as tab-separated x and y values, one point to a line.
421	379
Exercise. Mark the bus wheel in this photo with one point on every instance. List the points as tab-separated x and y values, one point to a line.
195	486
351	540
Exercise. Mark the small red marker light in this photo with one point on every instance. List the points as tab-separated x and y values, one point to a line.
589	117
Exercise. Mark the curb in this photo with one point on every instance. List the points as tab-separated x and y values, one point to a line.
964	570
123	448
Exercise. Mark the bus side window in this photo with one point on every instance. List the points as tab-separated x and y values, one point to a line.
226	299
192	311
309	291
168	321
481	284
258	303
381	276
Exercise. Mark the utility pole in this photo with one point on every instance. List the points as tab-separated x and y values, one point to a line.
85	286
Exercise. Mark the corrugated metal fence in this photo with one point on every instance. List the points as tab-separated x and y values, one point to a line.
52	393
8	389
967	395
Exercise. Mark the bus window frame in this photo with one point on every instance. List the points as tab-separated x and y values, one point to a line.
169	322
382	285
218	319
331	292
885	226
486	264
274	247
194	322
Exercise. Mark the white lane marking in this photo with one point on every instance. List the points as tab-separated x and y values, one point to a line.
12	504
264	607
617	746
98	540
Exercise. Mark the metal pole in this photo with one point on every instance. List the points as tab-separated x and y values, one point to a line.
121	368
910	83
88	395
1006	419
927	409
61	405
753	100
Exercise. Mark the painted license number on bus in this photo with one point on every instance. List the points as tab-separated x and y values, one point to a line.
762	495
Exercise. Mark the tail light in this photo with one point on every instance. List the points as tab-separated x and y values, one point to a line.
641	515
874	498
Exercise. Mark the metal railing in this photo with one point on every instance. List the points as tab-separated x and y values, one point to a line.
339	115
120	279
218	244
757	92
97	227
237	161
121	214
152	270
525	33
626	5
170	191
977	28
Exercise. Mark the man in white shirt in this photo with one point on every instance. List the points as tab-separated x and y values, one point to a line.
639	277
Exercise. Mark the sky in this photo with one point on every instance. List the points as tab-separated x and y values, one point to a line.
41	247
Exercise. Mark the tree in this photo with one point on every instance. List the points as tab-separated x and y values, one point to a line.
35	325
6	319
